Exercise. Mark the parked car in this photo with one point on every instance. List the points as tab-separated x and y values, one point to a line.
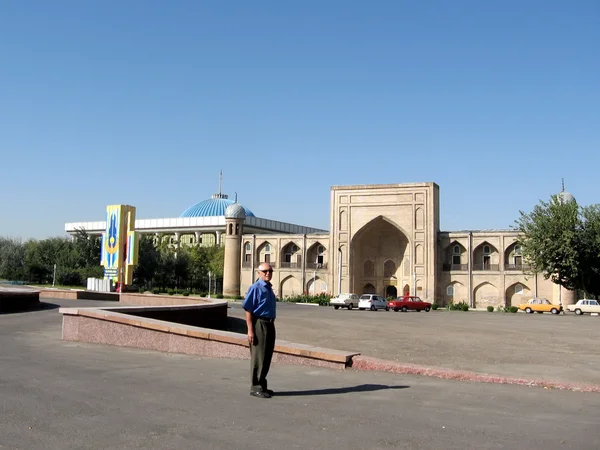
345	301
409	303
372	302
540	305
585	306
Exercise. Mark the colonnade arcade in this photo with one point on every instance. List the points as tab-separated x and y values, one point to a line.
199	238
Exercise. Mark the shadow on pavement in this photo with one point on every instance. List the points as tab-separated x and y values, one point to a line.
236	325
43	306
343	390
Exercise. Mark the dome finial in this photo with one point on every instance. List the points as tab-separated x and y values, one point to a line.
220	193
563	185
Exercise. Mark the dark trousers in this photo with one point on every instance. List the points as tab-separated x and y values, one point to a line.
261	353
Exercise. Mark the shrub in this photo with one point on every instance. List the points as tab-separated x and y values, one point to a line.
435	306
171	292
156	291
464	307
490	308
186	293
321	299
219	295
514	309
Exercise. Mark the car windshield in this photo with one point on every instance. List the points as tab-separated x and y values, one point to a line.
365	297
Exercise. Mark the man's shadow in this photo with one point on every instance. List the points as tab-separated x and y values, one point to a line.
342	390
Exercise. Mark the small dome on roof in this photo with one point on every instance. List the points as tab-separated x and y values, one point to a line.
235	211
565	197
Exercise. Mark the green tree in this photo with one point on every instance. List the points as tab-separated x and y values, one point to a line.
216	257
148	263
550	242
590	250
561	241
12	259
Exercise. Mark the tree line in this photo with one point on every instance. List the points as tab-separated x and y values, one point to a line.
76	259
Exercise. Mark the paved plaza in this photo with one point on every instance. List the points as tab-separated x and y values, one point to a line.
63	395
539	346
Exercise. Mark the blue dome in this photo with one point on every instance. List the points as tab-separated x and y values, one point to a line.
212	207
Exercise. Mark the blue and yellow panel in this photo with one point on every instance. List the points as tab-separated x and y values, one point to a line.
119	243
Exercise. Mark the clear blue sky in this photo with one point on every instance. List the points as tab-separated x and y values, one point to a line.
143	102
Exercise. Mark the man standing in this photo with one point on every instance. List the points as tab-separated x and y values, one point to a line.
260	318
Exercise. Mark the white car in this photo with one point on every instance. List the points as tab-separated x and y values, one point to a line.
585	306
372	302
345	301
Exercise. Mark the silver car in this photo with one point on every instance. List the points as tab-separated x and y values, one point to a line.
372	302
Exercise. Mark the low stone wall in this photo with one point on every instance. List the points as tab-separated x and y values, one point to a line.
74	294
127	326
129	298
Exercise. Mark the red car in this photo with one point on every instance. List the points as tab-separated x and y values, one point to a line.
407	302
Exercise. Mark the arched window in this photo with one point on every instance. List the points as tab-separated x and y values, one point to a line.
456	254
389	268
518	289
369	289
248	246
486	257
450	291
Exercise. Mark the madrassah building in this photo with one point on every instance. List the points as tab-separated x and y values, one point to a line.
383	239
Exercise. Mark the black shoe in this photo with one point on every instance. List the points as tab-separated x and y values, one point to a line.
270	392
260	394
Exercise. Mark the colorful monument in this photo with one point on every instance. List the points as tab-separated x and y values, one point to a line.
119	246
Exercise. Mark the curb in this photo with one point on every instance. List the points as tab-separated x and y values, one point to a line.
380	365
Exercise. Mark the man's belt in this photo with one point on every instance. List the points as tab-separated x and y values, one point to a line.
266	319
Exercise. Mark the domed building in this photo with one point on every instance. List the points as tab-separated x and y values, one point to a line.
201	224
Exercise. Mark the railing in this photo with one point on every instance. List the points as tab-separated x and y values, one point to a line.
289	265
318	266
451	267
517	267
246	264
486	266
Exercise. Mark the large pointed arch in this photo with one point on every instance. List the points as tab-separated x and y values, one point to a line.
486	294
516	294
290	287
382	241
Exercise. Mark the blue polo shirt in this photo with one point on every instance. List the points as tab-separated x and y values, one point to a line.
260	300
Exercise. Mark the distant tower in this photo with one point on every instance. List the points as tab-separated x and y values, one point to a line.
234	224
565	296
